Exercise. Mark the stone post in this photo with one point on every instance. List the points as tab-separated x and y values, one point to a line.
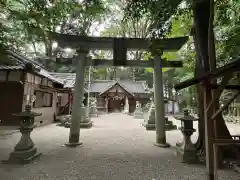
93	108
77	100
149	123
138	111
126	107
85	121
168	124
159	104
186	149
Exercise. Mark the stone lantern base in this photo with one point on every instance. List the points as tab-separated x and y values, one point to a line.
149	121
185	149
169	125
93	111
85	119
187	156
25	150
23	157
138	115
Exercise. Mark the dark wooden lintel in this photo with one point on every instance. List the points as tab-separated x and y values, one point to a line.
220	110
67	40
219	72
228	87
129	63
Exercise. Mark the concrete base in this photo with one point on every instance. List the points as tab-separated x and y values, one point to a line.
23	157
163	145
139	116
188	157
73	144
93	115
170	127
86	124
149	127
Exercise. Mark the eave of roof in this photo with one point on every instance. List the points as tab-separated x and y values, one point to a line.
22	61
114	84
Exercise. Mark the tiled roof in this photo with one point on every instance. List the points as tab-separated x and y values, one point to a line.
14	67
21	61
67	78
100	86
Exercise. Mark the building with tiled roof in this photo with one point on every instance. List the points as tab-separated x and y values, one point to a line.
24	81
111	94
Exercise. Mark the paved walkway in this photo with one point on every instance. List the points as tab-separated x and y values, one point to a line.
117	147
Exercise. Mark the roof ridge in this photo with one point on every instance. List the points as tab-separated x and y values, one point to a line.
25	60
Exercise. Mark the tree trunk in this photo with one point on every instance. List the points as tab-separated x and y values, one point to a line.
201	25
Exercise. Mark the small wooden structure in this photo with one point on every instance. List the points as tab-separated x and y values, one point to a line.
23	80
213	142
110	94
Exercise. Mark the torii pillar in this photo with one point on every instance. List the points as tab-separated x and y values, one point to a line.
159	103
77	99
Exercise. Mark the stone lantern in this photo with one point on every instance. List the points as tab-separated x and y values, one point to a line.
138	111
93	108
25	150
186	149
85	121
149	123
168	124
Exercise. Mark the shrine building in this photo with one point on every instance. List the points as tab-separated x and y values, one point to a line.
111	95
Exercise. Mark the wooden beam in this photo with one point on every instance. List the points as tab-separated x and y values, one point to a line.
225	142
229	86
220	89
229	68
132	63
225	106
67	40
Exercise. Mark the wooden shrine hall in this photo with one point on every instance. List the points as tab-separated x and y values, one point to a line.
111	95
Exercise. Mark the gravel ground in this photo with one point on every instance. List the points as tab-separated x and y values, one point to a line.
116	147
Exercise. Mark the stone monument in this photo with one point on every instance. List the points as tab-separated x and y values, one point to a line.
186	149
25	150
138	111
93	108
85	121
169	124
126	106
149	123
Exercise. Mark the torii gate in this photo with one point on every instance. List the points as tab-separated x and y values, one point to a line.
120	46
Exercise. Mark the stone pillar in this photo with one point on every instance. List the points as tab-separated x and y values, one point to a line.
126	107
78	97
159	104
149	123
168	124
106	104
138	111
93	108
85	119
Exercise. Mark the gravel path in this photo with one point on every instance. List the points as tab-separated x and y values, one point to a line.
117	147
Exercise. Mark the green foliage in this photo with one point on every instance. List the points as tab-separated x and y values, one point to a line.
157	11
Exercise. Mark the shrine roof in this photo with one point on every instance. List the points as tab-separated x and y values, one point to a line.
100	86
21	62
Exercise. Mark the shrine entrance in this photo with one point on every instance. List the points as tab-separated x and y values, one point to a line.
119	47
115	96
115	104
